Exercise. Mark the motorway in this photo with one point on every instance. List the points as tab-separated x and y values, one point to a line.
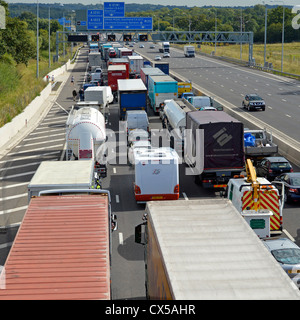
232	82
46	142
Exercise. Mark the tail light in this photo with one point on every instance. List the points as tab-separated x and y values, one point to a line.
137	189
176	189
292	170
270	170
293	190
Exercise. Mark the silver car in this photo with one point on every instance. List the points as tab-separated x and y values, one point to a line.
253	102
287	253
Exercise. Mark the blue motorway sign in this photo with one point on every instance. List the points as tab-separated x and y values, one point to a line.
94	19
114	9
128	23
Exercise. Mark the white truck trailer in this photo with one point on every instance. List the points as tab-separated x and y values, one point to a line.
99	94
189	51
52	175
205	250
86	135
135	64
94	59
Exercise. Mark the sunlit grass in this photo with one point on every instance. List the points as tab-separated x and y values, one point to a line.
291	61
19	85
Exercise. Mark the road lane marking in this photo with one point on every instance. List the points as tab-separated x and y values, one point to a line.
21	195
121	241
34	150
23	165
117	198
46	136
38	143
185	196
6	245
13	210
114	170
17	175
288	115
14	185
288	235
30	157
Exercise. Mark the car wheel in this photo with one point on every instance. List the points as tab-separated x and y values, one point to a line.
263	109
287	198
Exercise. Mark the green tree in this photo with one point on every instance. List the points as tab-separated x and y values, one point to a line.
18	40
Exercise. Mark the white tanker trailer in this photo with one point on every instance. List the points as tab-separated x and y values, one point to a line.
86	135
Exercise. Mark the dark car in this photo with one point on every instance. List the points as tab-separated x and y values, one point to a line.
272	167
291	181
253	102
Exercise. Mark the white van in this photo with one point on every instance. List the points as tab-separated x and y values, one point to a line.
136	119
156	174
200	101
110	97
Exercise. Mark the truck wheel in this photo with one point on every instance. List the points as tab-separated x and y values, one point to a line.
197	180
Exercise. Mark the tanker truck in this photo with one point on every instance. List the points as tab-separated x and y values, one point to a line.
85	137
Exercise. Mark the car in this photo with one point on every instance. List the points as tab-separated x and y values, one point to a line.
291	181
271	167
207	108
157	58
152	46
142	46
287	253
131	45
166	55
253	102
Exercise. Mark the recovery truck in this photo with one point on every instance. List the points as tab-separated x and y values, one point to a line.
205	250
62	250
259	144
257	195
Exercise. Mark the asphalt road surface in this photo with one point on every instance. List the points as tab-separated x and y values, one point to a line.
46	142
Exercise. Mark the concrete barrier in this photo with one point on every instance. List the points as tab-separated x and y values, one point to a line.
287	146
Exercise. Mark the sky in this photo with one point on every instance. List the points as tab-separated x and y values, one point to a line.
191	3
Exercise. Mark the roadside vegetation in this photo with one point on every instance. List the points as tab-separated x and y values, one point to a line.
18	82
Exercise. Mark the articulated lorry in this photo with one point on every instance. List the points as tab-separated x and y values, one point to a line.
86	136
161	88
150	71
215	147
205	250
189	51
62	249
164	47
132	96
